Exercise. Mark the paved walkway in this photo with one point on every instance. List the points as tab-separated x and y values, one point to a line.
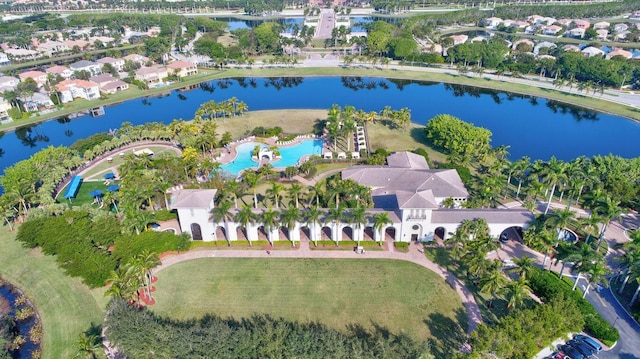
414	255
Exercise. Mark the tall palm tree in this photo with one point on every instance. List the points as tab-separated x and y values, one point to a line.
493	282
290	218
582	260
516	292
630	263
315	192
312	217
144	263
269	219
553	174
560	220
358	218
245	217
608	210
336	215
252	178
274	192
294	191
596	272
525	266
222	214
589	225
381	220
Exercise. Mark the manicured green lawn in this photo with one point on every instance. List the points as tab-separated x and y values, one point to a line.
399	295
67	307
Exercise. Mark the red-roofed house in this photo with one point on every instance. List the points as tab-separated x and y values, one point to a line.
182	68
38	76
620	52
63	71
459	39
151	75
68	90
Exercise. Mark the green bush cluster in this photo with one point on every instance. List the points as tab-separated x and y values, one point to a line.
547	285
139	332
164	215
401	245
266	131
82	243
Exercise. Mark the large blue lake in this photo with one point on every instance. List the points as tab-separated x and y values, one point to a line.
530	126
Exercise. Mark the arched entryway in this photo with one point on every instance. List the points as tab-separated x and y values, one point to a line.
262	234
196	232
513	233
439	234
347	233
241	232
415	232
305	233
325	234
368	233
221	233
390	233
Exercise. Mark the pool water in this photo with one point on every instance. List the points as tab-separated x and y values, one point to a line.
289	156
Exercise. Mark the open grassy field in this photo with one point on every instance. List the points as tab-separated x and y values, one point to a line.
67	307
401	296
292	121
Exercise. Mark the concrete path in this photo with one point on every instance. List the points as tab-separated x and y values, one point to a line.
414	255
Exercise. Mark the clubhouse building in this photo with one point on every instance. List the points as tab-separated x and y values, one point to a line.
421	203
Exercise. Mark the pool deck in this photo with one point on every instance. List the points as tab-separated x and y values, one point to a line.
228	154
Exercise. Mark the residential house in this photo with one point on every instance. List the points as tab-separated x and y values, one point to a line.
51	48
37	101
577	32
564	22
621	27
151	75
4	111
601	25
4	59
459	39
81	44
22	54
619	52
183	68
523	41
62	71
542	45
492	22
581	24
105	40
89	66
571	48
38	76
118	64
8	83
635	15
602	34
138	59
69	90
109	84
592	51
551	30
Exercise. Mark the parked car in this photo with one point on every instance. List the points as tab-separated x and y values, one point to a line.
558	355
589	341
583	348
572	352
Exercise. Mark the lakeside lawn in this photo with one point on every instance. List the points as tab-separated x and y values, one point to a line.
399	295
67	307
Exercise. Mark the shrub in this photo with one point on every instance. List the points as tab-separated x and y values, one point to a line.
80	146
401	245
164	215
547	286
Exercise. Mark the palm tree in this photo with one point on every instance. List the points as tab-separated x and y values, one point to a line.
380	220
493	282
358	218
590	224
516	292
88	346
608	210
222	214
245	217
335	215
582	260
635	295
597	271
525	266
144	263
553	174
560	220
290	218
315	192
294	191
270	222
312	217
630	262
251	178
274	192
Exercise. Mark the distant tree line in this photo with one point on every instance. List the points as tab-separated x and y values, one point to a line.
137	332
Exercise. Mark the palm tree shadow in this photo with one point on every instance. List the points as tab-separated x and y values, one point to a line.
447	335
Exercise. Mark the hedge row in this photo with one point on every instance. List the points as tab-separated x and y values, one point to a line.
547	285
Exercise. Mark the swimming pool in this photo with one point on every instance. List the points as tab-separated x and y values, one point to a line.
289	156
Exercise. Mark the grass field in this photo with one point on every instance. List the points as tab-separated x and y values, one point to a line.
401	296
292	121
67	307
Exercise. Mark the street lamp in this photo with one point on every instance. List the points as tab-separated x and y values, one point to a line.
616	321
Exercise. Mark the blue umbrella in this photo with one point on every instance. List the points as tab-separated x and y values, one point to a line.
113	188
95	193
109	176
